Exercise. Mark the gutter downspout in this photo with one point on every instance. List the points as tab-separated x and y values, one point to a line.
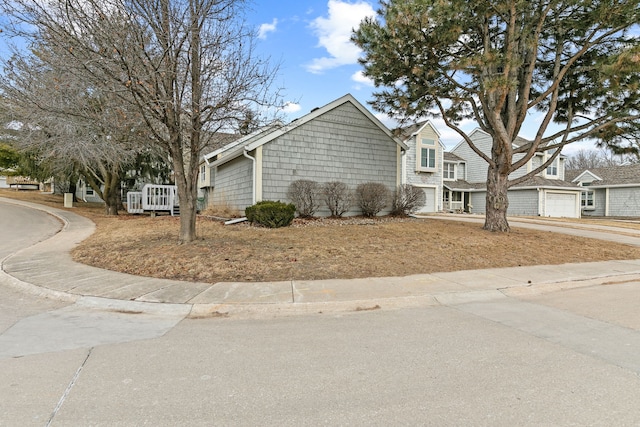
245	153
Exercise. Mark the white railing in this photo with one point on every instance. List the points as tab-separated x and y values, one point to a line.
453	206
158	197
134	202
153	198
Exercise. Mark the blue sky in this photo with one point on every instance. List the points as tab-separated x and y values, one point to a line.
319	63
310	39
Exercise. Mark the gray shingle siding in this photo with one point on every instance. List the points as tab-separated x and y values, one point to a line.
340	145
233	184
479	202
624	201
523	202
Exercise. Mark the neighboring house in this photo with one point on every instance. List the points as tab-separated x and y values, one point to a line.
341	141
85	193
609	191
205	175
3	182
423	164
546	194
22	183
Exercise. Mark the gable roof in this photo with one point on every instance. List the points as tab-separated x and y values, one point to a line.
574	175
450	157
265	135
243	140
612	175
416	128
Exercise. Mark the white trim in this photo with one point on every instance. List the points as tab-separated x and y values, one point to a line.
613	186
254	191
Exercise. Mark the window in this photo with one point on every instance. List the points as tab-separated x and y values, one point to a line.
449	171
427	151
552	169
203	173
587	199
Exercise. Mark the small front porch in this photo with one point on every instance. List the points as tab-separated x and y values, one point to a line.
455	201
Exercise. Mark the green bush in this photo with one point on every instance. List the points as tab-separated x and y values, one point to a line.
271	214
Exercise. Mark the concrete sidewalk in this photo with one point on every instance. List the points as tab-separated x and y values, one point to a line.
46	269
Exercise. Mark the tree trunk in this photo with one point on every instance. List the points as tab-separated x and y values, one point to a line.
111	202
497	201
187	195
73	187
111	196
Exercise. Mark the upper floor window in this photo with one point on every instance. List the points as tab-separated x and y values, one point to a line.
449	171
552	169
427	155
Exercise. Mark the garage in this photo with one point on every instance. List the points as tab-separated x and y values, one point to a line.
562	205
430	205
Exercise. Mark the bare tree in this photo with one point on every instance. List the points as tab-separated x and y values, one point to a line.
188	67
69	125
592	159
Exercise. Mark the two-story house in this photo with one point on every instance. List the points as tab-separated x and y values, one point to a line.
455	181
423	163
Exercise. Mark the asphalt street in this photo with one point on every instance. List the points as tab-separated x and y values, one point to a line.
558	357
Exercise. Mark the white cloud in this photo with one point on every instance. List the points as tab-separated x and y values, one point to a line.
267	28
334	34
360	78
291	107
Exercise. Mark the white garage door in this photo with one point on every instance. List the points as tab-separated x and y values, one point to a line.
430	205
562	205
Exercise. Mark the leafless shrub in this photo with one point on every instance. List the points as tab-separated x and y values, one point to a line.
338	197
372	197
305	195
407	199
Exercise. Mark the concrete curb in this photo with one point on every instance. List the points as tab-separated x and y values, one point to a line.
285	298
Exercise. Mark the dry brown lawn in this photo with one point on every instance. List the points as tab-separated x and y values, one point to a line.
318	249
